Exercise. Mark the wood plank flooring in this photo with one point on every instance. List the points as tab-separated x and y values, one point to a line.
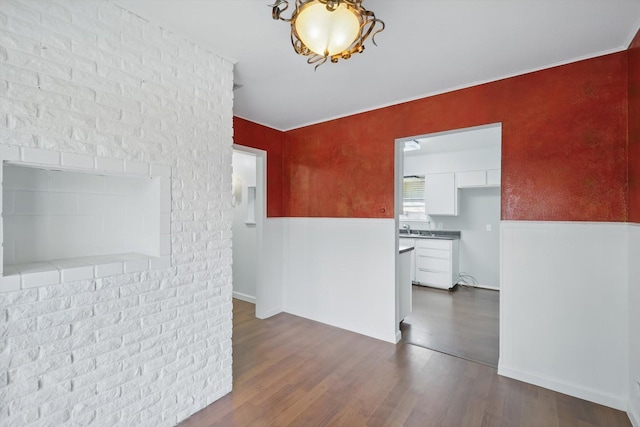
463	322
290	371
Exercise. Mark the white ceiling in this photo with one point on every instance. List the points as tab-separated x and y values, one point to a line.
428	47
474	138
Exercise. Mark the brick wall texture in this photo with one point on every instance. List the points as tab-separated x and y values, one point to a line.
148	348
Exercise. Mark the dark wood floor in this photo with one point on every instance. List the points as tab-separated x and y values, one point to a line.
463	322
290	371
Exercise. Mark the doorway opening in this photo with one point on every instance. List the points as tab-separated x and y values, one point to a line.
249	211
454	227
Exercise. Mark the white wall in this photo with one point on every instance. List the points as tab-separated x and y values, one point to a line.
563	308
270	292
82	80
245	256
479	248
341	271
452	161
634	324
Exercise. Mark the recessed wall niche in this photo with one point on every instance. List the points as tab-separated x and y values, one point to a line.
61	225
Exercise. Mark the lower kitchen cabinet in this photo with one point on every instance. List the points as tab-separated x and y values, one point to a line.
409	241
436	262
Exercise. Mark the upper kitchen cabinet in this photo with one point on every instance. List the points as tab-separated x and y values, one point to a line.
440	194
493	178
478	178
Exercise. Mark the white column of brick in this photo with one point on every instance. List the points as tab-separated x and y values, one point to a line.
87	79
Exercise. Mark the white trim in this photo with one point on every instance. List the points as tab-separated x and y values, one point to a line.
565	388
633	390
550	224
244	297
265	314
633	33
489	288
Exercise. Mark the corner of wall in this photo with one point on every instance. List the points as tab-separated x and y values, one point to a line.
634	320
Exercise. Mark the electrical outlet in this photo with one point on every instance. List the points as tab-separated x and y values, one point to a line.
488	227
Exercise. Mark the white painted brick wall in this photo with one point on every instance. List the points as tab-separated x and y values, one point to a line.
86	79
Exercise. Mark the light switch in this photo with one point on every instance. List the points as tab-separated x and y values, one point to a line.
488	227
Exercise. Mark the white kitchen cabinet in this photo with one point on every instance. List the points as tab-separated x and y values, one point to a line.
480	178
410	241
493	178
440	194
471	179
404	292
436	262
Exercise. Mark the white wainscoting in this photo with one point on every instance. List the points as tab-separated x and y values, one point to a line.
270	282
634	324
563	308
341	271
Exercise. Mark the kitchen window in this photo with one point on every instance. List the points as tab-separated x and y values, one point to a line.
413	196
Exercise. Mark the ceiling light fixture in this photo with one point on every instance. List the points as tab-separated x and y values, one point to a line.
328	29
411	145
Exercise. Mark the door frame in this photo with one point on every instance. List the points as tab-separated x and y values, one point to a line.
261	210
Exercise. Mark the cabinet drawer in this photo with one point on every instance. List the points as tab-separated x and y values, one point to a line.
433	253
433	244
433	264
442	280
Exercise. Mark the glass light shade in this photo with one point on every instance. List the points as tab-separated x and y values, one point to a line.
327	32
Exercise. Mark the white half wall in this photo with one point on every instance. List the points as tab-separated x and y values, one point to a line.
563	308
341	271
270	291
634	324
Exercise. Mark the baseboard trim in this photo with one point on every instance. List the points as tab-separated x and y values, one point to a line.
265	314
564	388
489	288
391	338
244	297
634	417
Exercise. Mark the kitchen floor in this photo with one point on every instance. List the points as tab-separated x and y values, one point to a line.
463	322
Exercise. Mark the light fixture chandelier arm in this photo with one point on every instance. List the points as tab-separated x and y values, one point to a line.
276	12
328	29
370	23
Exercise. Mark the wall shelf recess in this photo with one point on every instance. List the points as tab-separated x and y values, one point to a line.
63	224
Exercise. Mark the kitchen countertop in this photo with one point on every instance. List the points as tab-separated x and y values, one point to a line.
405	248
431	234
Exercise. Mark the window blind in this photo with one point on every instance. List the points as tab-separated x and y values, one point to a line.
413	194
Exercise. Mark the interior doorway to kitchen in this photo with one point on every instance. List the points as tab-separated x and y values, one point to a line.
457	175
249	210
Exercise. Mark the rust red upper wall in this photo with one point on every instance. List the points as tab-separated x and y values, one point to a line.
634	129
270	140
563	148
